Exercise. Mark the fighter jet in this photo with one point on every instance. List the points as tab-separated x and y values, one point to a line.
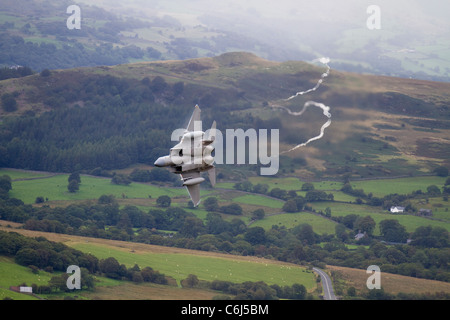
191	156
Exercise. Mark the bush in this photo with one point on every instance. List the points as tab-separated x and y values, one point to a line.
233	208
9	103
73	186
45	73
163	201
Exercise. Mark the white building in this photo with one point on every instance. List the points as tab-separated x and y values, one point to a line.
26	289
397	209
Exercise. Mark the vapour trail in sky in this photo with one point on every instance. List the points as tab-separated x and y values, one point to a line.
325	109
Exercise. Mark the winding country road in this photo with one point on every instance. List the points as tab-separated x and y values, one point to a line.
328	293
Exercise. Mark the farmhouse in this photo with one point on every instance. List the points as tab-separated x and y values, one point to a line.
21	289
360	235
397	209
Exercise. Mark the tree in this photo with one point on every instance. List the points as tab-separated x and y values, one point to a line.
433	190
111	268
233	208
393	231
305	233
191	281
74	176
106	199
447	182
73	186
290	206
163	201
45	73
39	200
59	283
441	171
158	84
120	179
211	204
87	280
308	186
261	188
316	195
349	220
278	193
5	183
192	227
298	291
365	224
258	214
9	103
255	235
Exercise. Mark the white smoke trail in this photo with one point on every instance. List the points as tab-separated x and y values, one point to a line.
323	60
326	112
326	109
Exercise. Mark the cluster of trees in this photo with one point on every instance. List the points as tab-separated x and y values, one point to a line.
9	103
211	204
260	290
70	139
44	254
70	54
74	182
111	268
39	253
15	72
129	121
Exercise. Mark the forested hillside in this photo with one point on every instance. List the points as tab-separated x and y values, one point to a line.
112	117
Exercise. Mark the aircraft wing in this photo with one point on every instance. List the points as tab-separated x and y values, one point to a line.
195	117
193	189
194	193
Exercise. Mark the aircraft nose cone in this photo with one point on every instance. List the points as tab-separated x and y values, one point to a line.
160	162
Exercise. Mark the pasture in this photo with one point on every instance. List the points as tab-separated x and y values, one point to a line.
319	224
27	185
410	222
12	274
55	189
179	264
382	187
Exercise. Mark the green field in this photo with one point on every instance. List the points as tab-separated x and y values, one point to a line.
27	185
259	200
20	174
383	187
55	189
12	274
319	224
410	222
208	268
282	183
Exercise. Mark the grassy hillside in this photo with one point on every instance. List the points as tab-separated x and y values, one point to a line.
173	262
180	262
381	126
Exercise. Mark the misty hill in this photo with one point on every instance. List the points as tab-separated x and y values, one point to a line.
412	40
112	117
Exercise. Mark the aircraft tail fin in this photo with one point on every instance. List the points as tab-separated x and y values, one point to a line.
195	117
